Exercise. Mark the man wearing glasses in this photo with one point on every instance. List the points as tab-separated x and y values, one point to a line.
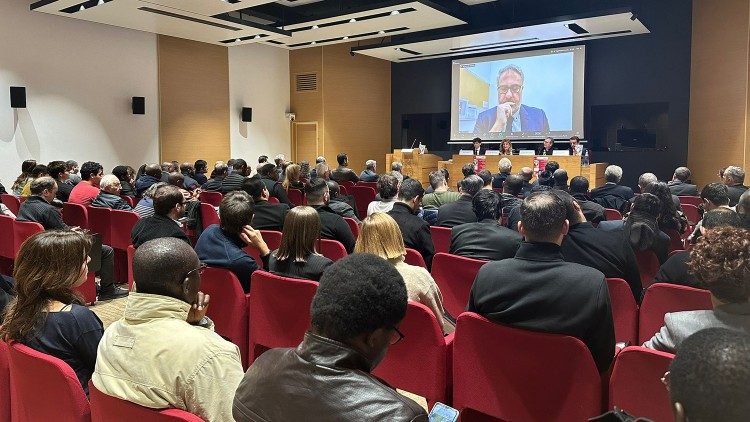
510	115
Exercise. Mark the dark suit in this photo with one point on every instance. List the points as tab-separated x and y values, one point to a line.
486	240
675	271
276	190
541	150
735	191
232	182
593	212
416	232
537	290
155	227
268	216
571	152
333	226
63	191
660	247
682	189
608	252
344	174
480	151
499	179
612	195
532	120
455	213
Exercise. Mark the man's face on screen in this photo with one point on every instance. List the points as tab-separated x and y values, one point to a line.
510	89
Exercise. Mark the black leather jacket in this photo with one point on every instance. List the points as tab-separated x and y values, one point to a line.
320	380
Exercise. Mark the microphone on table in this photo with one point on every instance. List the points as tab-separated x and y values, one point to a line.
412	144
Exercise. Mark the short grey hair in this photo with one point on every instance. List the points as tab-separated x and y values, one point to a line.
613	173
108	181
735	173
40	184
398	175
370	164
646	180
397	166
149	193
682	174
436	179
504	165
511	67
320	159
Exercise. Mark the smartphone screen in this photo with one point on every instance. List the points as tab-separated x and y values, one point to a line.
443	413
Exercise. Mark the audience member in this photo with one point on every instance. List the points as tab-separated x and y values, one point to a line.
269	176
321	171
414	230
612	195
169	206
266	216
680	184
343	173
485	239
281	165
714	196
527	173
670	216
734	178
201	168
579	188
304	172
709	378
397	169
641	227
560	177
263	159
292	179
219	173
163	352
58	171
537	290
39	170
504	167
721	263
233	181
188	174
369	174
446	174
47	314
333	225
313	172
486	177
145	207
343	205
743	209
468	169
460	211
126	176
387	190
222	245
72	166
167	167
440	194
178	180
354	318
296	256
151	175
381	236
109	194
24	178
544	181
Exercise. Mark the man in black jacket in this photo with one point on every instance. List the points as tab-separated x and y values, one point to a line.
579	188
218	175
332	225
612	195
151	175
266	216
680	184
537	290
343	173
460	212
169	205
238	175
416	231
269	175
734	177
486	239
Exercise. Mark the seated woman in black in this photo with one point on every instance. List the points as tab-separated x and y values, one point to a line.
296	257
47	314
642	227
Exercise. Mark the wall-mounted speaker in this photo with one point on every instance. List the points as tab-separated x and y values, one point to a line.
139	105
18	97
247	114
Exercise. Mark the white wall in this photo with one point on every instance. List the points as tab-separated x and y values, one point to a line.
79	79
259	78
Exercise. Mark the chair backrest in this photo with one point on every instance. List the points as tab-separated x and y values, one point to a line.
663	298
635	385
624	310
454	275
331	249
122	225
363	195
273	200
76	215
228	306
343	190
23	230
441	238
519	375
691	213
209	215
100	221
419	363
11	201
272	238
353	226
675	240
296	196
211	198
37	378
373	185
130	200
7	243
612	215
648	266
279	311
130	254
4	383
346	183
690	200
413	257
105	408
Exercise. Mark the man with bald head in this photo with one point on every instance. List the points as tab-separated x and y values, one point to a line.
164	352
151	175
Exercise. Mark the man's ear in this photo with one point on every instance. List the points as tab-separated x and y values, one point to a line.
679	412
521	229
565	227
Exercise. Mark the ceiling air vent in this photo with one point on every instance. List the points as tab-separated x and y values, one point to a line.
306	82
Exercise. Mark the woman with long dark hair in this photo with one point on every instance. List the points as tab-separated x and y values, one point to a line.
670	218
126	175
297	257
642	226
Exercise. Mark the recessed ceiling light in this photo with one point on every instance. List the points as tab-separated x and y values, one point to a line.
82	8
314	27
345	38
101	2
312	43
257	37
395	12
237	40
352	20
397	48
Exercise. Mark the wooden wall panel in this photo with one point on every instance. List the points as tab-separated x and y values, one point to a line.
193	101
308	105
719	100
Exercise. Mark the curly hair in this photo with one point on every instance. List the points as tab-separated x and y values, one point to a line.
721	262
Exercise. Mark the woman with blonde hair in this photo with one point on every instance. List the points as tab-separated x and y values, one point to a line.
296	256
506	147
292	179
47	314
381	236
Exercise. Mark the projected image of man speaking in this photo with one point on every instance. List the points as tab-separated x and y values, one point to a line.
511	115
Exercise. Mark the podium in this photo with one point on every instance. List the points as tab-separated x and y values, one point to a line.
418	166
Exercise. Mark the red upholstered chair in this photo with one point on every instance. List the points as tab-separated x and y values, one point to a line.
273	200
363	195
227	307
413	257
690	200
373	185
209	215
624	310
331	249
343	190
122	225
347	184
454	275
4	383
130	200
11	201
296	196
100	221
635	385
612	215
663	298
676	241
421	362
7	244
45	388
211	198
272	238
23	230
441	238
76	215
88	289
105	408
279	311
691	213
353	226
518	375
648	266
131	254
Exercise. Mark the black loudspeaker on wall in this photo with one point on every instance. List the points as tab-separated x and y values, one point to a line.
18	97
139	105
247	114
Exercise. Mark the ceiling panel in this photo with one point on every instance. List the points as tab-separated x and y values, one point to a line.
209	7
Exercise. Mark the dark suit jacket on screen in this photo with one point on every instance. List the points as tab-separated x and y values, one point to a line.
532	120
486	239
